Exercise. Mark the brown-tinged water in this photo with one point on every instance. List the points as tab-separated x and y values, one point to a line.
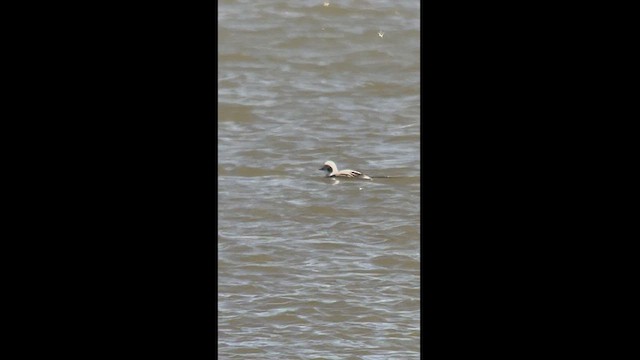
310	268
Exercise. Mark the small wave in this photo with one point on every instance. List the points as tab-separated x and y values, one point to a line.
247	171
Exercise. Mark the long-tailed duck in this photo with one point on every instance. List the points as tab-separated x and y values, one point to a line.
331	170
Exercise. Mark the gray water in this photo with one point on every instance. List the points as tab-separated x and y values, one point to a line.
311	268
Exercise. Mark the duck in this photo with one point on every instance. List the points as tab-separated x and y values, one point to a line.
331	170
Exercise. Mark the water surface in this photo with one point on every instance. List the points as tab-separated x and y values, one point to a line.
310	268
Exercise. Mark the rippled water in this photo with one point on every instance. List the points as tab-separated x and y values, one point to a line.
311	268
